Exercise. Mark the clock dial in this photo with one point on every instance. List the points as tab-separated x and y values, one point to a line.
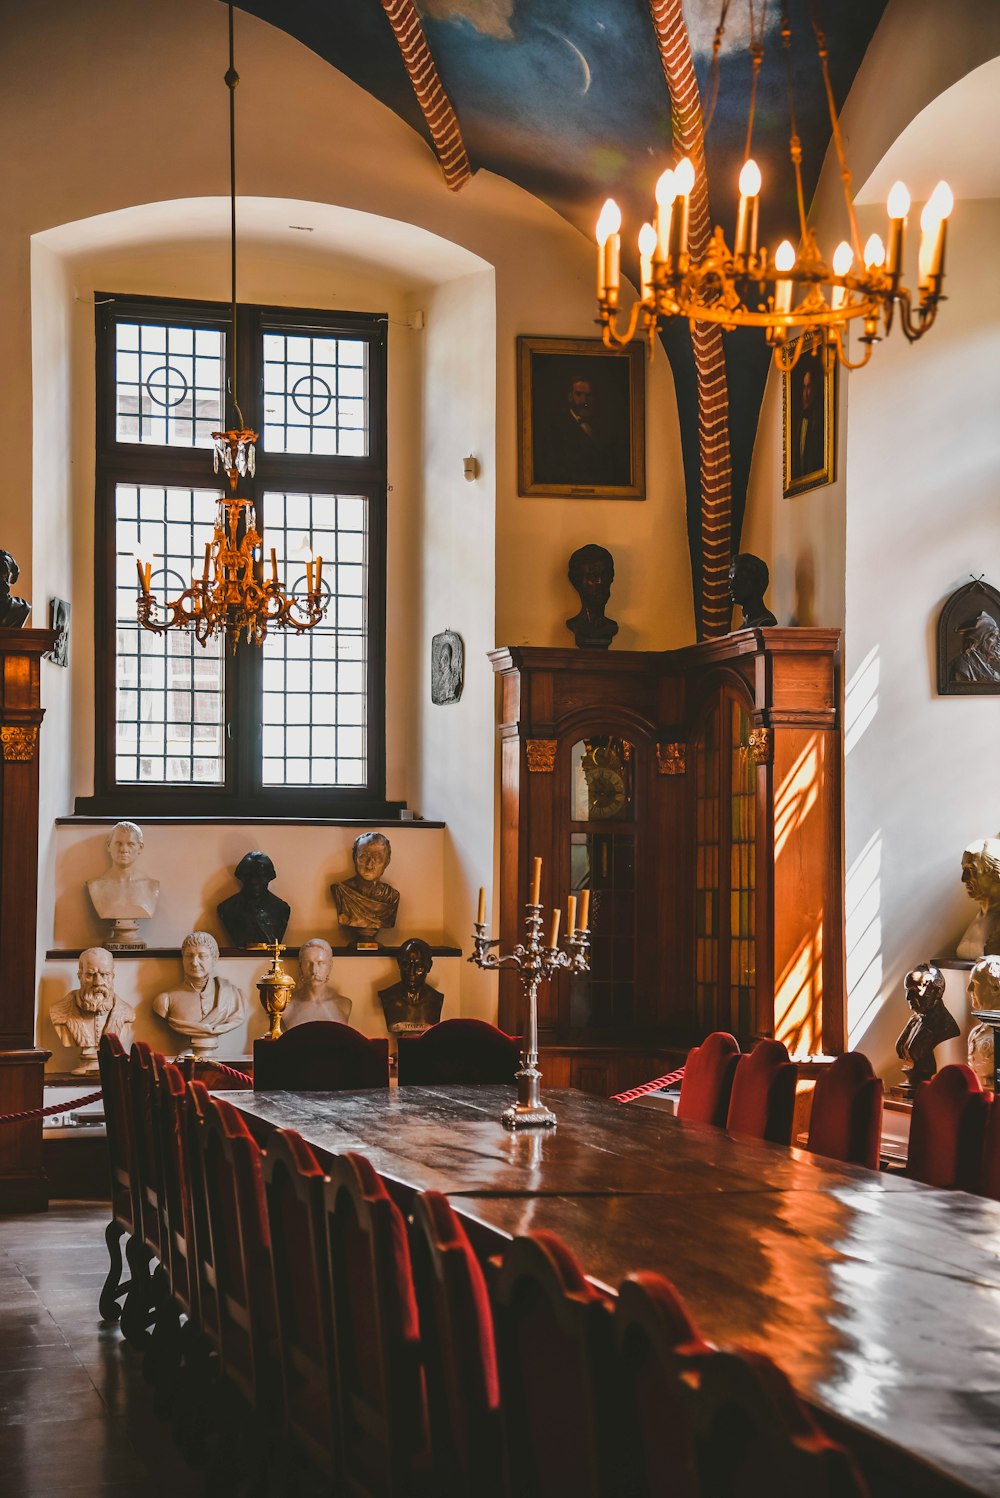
606	794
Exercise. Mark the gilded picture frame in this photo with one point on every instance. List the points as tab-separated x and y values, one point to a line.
581	416
809	422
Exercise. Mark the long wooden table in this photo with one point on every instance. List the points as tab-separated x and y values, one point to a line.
879	1297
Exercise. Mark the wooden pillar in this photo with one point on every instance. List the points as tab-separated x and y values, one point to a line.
22	1178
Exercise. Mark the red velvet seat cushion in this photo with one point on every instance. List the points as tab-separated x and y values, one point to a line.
846	1119
708	1080
947	1129
763	1097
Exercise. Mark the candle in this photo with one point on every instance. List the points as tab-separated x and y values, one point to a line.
481	916
554	932
571	915
897	206
647	245
608	252
874	252
274	566
684	182
843	257
933	230
666	191
309	575
784	259
536	881
584	909
319	576
746	218
208	562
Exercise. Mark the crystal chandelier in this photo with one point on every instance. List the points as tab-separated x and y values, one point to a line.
232	596
790	293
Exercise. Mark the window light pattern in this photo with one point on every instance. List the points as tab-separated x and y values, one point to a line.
315	395
169	384
169	698
315	705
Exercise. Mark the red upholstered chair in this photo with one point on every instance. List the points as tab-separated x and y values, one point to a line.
659	1362
320	1057
846	1119
763	1096
946	1130
175	1283
144	1246
383	1427
989	1183
199	1104
114	1066
456	1331
293	1187
708	1080
757	1440
457	1052
554	1336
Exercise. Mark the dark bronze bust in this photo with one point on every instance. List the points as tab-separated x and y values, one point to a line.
592	571
411	1005
366	903
13	611
930	1025
254	917
748	580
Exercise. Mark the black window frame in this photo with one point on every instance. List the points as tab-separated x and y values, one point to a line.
242	795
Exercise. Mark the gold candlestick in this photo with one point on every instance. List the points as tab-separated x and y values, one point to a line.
275	989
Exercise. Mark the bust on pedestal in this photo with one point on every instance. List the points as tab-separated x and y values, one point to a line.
203	1007
313	998
366	904
92	1010
981	877
931	1024
254	917
411	1006
122	896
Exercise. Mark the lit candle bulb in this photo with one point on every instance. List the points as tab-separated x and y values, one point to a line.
784	259
536	882
666	191
647	244
608	252
683	182
481	915
746	217
933	229
584	909
897	206
571	915
554	932
843	258
874	252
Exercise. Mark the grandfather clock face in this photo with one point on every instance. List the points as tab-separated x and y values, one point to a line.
602	780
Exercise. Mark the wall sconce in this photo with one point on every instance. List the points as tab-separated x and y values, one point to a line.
470	467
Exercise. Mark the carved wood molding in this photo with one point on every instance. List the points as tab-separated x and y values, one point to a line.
541	755
671	759
19	743
760	745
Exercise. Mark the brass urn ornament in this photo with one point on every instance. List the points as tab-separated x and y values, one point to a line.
275	989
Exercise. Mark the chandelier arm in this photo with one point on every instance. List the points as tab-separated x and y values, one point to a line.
756	58
610	335
838	140
794	143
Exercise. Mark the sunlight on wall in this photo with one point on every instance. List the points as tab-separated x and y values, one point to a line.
798	1000
797	793
861	700
863	919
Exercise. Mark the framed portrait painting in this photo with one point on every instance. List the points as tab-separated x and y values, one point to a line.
581	419
809	419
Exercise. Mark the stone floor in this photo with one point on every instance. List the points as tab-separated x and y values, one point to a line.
76	1417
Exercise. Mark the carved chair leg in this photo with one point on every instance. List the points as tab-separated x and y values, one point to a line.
162	1356
137	1310
113	1288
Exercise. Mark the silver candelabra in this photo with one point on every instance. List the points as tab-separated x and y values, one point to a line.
535	963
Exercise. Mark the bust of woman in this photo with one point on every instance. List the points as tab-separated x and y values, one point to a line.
122	895
365	904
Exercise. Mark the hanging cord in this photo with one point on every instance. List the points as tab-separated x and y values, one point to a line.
757	33
845	171
712	81
232	78
794	143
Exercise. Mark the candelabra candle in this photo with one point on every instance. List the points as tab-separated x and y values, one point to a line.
536	963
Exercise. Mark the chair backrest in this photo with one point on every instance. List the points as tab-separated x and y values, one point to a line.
197	1108
708	1080
323	1056
457	1052
756	1439
114	1065
143	1081
763	1096
989	1181
293	1187
947	1126
659	1359
459	1354
846	1119
554	1336
177	1203
376	1333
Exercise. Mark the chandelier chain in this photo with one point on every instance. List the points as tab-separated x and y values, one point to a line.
757	34
232	78
794	142
712	82
838	141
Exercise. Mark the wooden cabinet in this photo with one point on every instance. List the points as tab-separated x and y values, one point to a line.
697	794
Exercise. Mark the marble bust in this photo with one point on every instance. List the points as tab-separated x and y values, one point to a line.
981	877
411	1005
930	1024
122	895
984	993
204	1006
365	904
592	571
87	1012
748	580
254	917
313	998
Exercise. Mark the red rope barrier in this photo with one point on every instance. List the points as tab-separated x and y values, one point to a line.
230	1071
654	1086
92	1097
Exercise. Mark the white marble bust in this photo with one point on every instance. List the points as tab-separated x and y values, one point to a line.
313	998
984	993
93	1009
203	1007
981	877
121	895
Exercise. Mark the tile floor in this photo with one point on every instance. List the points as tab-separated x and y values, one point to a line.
76	1417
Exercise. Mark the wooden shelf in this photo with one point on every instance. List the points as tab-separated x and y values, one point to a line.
57	954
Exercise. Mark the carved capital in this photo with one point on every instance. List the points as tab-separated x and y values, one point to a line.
541	756
671	759
19	743
759	744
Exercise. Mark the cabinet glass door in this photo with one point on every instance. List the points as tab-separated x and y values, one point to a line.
602	837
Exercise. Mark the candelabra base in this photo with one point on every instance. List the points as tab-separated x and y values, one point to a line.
529	1112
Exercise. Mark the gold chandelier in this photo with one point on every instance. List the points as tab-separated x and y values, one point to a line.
791	293
232	596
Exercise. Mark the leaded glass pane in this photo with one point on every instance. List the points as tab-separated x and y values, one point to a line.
315	395
169	700
315	712
169	384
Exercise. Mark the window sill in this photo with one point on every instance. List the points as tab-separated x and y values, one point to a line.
102	817
60	954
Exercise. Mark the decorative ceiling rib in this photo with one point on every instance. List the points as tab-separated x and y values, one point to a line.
437	108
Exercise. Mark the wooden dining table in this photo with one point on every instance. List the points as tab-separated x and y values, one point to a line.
879	1297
